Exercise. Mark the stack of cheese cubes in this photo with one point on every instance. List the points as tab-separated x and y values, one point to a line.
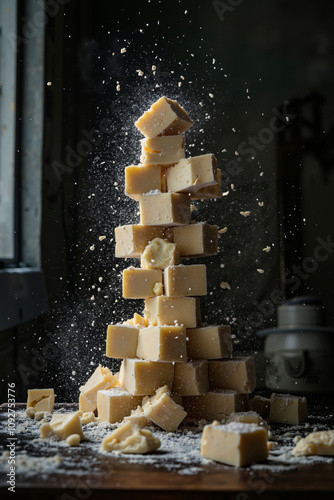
172	365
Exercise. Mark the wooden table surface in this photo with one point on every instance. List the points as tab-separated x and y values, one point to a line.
117	480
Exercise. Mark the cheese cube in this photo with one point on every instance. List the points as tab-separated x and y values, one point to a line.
131	240
63	425
196	240
316	443
261	405
162	343
141	377
164	209
102	378
163	310
209	342
141	283
234	444
247	417
129	438
163	411
160	254
84	405
191	379
191	174
165	117
122	341
210	192
115	404
185	281
166	150
41	399
215	405
287	409
140	179
234	373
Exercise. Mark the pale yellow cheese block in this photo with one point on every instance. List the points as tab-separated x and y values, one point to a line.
196	240
131	240
215	405
63	425
165	117
141	283
142	378
233	373
122	341
140	179
164	150
163	410
85	405
162	343
129	438
102	378
209	342
191	379
183	311
191	174
261	405
247	417
159	254
41	399
234	444
287	409
116	403
185	281
209	192
316	443
164	209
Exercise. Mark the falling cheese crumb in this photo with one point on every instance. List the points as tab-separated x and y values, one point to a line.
260	203
267	249
140	72
92	247
226	193
193	208
245	214
224	285
101	238
123	50
223	230
261	271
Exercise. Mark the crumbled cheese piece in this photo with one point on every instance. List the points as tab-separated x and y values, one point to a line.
73	440
261	271
123	50
267	249
223	230
225	285
245	214
101	238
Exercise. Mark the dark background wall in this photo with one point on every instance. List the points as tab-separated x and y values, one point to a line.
234	69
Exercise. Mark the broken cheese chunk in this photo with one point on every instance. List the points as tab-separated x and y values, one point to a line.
129	438
142	377
139	283
287	409
234	444
166	150
159	254
63	425
102	378
115	404
122	341
164	209
185	281
316	443
85	405
191	174
131	240
41	399
138	417
165	117
237	374
162	343
163	411
209	342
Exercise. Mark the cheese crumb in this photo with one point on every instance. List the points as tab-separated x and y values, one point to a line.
123	50
224	285
267	249
261	271
245	214
260	203
101	238
222	231
73	440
